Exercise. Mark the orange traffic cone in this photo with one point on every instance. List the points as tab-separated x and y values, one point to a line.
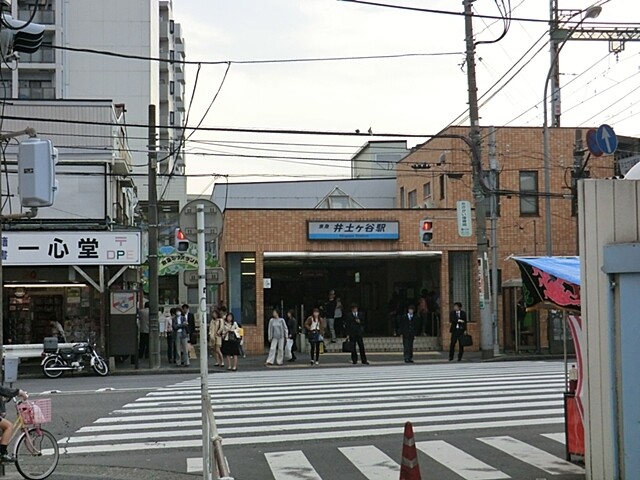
409	469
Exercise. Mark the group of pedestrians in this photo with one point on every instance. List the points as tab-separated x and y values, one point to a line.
180	333
225	338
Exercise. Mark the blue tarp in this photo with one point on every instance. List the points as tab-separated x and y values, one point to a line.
566	268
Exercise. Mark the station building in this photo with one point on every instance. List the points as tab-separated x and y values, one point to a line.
286	244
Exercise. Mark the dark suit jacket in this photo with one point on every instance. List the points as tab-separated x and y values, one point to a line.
356	327
408	327
453	321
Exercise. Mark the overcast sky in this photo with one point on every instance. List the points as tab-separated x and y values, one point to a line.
406	95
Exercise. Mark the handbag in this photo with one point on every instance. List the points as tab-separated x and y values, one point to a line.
288	355
232	337
347	346
466	340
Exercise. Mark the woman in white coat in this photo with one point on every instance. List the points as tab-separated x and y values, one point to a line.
278	334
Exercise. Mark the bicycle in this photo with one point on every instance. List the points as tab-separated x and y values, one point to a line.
36	450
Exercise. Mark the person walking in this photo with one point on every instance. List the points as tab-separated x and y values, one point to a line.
168	331
330	314
231	342
277	335
457	328
409	325
356	321
215	338
293	328
314	326
143	325
181	335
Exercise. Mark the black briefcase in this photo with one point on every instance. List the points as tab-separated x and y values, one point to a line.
347	346
466	340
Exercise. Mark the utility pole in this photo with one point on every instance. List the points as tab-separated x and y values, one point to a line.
578	173
495	288
554	77
154	326
486	327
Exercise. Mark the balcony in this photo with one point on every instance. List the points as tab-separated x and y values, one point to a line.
37	93
44	55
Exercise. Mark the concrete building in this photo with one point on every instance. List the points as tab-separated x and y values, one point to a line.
144	28
378	159
65	263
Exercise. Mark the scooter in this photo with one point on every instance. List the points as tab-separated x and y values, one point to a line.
56	361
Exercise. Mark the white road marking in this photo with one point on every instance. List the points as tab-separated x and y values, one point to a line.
532	455
194	465
460	462
558	437
291	466
373	463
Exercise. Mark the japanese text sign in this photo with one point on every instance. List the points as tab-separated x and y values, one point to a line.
71	248
347	230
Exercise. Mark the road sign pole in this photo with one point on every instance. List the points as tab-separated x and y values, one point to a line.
204	357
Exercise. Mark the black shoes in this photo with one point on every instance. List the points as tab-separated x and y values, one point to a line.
6	458
408	361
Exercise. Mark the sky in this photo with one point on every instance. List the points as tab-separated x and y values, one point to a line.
409	95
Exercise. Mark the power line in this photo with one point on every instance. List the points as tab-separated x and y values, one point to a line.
128	56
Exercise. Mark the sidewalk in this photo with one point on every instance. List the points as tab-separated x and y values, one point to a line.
256	362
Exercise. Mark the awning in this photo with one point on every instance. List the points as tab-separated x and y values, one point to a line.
551	281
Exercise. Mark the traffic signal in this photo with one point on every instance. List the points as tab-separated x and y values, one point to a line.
426	231
19	36
180	242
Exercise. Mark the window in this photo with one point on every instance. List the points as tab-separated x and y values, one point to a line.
241	281
413	199
172	87
426	190
443	186
402	197
528	183
172	118
172	55
172	26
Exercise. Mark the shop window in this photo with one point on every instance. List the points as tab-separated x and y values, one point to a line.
241	272
413	199
528	184
402	205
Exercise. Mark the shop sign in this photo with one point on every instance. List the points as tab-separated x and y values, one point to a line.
123	303
71	248
463	209
346	230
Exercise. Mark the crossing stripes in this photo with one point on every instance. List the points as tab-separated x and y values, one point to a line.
267	407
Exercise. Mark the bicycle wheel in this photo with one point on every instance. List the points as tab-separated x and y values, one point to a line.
37	454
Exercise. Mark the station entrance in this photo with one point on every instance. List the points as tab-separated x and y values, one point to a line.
378	284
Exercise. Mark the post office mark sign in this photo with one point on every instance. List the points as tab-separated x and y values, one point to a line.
71	248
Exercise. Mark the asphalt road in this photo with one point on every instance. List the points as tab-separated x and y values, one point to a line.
472	421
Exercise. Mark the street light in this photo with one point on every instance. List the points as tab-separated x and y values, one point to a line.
591	12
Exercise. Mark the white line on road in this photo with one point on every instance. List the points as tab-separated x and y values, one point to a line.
291	466
374	464
463	464
301	437
532	455
558	437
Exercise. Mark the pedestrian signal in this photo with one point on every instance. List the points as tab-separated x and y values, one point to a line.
426	231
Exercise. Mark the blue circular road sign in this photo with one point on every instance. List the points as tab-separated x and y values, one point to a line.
592	143
607	139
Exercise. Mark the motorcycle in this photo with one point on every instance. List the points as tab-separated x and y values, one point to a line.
56	361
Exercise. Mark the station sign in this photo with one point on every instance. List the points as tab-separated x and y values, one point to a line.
348	230
71	248
463	210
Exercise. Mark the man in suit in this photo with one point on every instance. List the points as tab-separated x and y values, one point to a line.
191	321
408	328
457	328
356	321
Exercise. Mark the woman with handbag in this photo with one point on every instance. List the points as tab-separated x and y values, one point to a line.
315	326
231	342
215	338
277	335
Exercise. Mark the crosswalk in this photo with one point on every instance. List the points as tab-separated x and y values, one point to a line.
273	406
374	464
